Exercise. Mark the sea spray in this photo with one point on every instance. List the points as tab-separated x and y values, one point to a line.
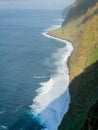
53	98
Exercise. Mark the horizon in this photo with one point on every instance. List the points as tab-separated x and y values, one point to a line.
44	4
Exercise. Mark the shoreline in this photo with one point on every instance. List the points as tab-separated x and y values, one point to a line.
49	35
55	91
68	60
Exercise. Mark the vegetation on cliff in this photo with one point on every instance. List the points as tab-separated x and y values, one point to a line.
81	28
83	33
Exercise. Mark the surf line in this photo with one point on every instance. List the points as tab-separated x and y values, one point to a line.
53	98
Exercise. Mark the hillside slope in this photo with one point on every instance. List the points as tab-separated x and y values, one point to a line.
81	28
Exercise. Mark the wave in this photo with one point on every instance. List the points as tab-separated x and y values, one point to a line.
51	28
3	127
40	77
60	20
3	111
53	98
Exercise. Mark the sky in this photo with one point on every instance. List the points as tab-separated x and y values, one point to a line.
35	4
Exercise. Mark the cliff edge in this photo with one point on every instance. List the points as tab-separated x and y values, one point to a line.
81	28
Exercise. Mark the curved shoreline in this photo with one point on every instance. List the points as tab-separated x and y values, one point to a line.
55	91
47	34
68	59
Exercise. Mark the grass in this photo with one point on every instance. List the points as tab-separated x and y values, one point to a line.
85	39
83	33
93	56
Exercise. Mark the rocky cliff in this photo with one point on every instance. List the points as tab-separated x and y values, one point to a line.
81	28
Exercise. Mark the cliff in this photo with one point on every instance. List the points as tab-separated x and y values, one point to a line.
64	13
81	28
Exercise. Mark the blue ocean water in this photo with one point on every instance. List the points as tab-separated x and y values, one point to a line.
27	60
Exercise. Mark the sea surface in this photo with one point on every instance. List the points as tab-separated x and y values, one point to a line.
33	70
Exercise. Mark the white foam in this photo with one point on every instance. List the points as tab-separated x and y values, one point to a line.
3	127
69	45
56	26
40	77
53	98
3	111
52	28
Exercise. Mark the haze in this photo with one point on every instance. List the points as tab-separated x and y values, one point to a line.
35	4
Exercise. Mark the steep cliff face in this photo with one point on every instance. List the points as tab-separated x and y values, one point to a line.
79	8
82	31
84	92
64	13
81	28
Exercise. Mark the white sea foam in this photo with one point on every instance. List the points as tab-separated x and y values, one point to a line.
51	28
3	111
56	26
53	98
3	127
40	77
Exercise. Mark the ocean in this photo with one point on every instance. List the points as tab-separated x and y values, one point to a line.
34	76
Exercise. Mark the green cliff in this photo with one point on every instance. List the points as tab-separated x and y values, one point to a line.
81	28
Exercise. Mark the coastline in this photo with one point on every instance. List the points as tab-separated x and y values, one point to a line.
83	64
52	34
48	34
55	91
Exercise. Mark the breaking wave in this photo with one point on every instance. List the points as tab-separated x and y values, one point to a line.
53	98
